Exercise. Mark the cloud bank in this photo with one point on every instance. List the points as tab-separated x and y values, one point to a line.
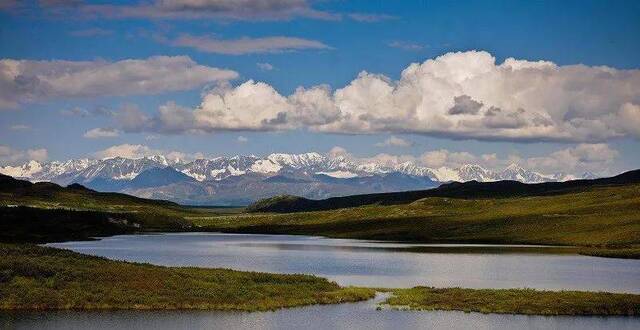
98	133
25	81
464	95
135	151
597	158
12	156
246	45
243	10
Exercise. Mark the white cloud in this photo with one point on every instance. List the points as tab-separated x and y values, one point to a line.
265	66
462	95
131	119
337	151
598	158
405	45
246	45
24	81
442	157
581	158
98	133
212	9
12	156
242	139
394	141
20	127
135	151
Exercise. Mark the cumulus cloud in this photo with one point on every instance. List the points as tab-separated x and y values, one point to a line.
443	157
24	81
98	133
578	159
246	45
464	104
463	95
597	158
337	151
10	156
581	158
394	141
135	151
212	9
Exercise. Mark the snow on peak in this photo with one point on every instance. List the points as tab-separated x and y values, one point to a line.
265	166
26	170
339	174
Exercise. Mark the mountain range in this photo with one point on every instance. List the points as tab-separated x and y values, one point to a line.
240	180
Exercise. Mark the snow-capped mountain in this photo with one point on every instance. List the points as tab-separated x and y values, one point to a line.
242	179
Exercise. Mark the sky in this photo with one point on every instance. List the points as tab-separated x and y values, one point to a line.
551	85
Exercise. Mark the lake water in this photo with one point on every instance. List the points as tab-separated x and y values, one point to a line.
350	262
345	316
375	264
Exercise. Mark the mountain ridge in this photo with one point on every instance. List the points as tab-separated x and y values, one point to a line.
245	179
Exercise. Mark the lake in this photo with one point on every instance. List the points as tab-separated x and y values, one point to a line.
344	316
351	262
375	264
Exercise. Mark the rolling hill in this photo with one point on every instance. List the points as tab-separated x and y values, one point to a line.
466	190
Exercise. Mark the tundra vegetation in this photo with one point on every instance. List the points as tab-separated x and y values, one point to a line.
601	220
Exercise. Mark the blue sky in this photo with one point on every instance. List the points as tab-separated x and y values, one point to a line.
326	42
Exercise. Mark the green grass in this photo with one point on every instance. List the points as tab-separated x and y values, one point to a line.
623	253
596	218
33	277
516	301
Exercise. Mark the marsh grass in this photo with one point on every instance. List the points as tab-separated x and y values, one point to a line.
516	301
33	277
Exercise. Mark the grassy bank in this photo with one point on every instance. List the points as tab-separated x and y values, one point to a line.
622	253
604	217
33	277
516	301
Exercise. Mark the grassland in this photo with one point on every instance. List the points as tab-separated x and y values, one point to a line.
33	277
603	221
516	301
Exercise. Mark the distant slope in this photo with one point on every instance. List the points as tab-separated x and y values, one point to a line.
15	188
149	214
33	225
467	190
597	216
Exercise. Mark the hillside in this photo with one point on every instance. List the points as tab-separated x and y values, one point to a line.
466	190
598	216
147	214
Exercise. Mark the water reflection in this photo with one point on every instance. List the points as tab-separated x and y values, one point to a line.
346	316
366	263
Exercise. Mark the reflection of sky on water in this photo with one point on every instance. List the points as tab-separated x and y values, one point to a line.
344	316
367	263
